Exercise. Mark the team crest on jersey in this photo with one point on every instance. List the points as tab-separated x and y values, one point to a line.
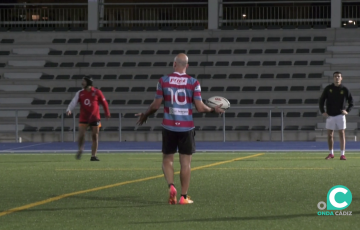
178	81
341	92
198	88
330	90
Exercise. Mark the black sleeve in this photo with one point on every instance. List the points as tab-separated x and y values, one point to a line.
350	101
322	100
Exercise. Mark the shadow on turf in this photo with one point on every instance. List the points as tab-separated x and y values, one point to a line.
237	218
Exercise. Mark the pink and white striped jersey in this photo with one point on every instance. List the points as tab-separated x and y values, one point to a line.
178	91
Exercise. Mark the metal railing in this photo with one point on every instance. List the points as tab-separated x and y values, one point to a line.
153	14
43	15
269	121
351	14
275	13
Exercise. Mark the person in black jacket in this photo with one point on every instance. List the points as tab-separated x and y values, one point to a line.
338	104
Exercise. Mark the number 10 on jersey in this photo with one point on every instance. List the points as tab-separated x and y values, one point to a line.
176	96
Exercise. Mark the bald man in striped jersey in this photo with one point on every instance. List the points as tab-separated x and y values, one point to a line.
179	91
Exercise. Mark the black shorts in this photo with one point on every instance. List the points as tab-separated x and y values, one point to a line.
91	124
182	141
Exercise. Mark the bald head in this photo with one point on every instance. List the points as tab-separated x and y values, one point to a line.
180	61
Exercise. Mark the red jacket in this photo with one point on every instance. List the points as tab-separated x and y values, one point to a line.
89	105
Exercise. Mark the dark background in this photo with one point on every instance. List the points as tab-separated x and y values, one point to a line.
124	1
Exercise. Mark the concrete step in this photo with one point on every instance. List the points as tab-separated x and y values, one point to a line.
344	49
18	63
11	114
167	45
13	101
31	51
342	61
21	76
18	88
11	128
40	60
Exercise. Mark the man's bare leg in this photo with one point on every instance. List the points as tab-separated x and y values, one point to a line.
168	168
342	144
185	172
95	142
330	137
81	140
342	139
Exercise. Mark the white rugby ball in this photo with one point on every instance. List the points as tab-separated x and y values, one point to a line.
212	102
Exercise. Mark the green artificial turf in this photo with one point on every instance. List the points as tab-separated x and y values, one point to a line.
271	191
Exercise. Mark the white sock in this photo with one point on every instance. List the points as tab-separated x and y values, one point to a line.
342	152
332	152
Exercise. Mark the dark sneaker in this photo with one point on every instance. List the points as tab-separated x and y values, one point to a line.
78	155
330	156
94	159
342	157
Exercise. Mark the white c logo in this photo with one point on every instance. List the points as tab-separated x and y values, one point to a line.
87	102
332	197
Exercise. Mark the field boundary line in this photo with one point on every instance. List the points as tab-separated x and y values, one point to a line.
109	169
271	168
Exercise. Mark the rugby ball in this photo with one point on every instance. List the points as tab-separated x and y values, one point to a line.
212	102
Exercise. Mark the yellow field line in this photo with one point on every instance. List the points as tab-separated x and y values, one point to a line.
144	158
119	169
21	208
315	157
228	161
271	168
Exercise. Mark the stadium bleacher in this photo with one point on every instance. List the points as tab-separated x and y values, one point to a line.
252	68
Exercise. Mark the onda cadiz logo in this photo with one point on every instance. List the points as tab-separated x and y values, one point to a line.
339	197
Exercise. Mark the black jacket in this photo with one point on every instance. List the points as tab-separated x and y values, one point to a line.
337	99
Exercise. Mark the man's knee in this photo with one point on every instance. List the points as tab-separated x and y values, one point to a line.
342	133
185	161
81	136
185	166
95	137
168	161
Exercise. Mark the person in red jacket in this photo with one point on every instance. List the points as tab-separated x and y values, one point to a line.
89	99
